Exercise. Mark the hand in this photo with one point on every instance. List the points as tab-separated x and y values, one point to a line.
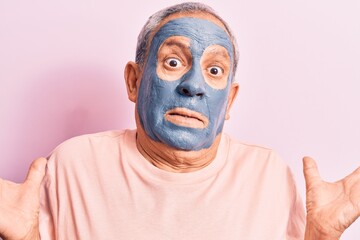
20	203
331	207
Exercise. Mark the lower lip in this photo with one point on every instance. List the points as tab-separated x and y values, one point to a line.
185	121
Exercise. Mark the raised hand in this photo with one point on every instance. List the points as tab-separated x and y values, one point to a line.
20	203
331	207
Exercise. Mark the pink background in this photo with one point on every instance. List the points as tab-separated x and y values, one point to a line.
61	75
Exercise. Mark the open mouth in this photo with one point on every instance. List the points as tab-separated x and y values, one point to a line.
186	118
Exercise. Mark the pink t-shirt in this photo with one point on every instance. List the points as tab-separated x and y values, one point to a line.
99	186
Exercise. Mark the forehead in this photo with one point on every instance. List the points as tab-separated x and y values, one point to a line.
201	32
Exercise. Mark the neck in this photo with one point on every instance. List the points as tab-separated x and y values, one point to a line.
174	160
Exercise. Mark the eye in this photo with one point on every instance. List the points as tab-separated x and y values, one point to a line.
215	71
173	62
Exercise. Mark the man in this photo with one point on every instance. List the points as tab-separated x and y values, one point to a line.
177	176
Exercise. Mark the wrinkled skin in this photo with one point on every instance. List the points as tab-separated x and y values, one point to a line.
20	203
331	207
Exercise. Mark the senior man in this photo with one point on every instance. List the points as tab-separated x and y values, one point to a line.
177	176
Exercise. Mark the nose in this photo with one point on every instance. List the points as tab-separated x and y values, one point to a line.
193	85
190	91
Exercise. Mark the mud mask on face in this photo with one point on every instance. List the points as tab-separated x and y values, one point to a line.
157	97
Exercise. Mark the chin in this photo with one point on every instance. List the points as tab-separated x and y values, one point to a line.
187	139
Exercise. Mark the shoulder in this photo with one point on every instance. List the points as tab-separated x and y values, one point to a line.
252	151
255	158
260	166
89	141
88	147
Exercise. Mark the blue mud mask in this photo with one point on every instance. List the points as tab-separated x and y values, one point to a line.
157	96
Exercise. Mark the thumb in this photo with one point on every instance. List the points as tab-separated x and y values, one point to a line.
311	172
36	172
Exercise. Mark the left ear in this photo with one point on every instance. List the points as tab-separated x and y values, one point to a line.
231	98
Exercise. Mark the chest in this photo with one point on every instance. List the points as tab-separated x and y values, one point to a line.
135	208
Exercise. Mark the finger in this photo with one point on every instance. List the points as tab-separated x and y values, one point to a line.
36	172
354	176
311	172
357	172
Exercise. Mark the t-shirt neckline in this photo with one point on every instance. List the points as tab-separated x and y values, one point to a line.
147	170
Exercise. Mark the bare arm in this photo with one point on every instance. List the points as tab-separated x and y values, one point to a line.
20	203
331	207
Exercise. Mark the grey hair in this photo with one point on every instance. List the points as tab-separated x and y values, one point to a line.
155	20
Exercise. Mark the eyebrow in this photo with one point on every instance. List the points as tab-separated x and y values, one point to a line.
175	43
219	52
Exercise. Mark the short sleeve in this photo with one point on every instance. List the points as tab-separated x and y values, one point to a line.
48	204
297	220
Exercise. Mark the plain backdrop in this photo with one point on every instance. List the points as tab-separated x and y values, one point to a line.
61	75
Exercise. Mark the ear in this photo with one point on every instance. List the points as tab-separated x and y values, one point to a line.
231	98
132	75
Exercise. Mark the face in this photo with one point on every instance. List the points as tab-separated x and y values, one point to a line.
184	89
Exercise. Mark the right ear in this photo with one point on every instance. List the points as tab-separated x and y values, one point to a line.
132	80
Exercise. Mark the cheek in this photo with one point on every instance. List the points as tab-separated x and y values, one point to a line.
157	94
217	103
